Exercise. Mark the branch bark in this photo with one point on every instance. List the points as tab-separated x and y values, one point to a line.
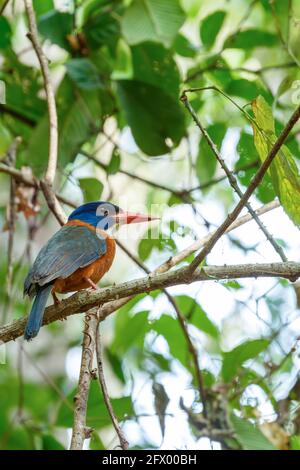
123	441
47	183
83	301
22	176
80	430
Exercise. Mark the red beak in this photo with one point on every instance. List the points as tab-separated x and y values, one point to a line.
131	218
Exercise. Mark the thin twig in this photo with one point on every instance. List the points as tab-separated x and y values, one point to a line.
80	430
53	132
251	188
47	183
30	180
10	221
233	181
123	441
154	184
3	7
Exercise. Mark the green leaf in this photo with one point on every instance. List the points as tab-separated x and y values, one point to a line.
184	47
206	161
250	38
246	89
43	7
157	121
249	436
283	170
210	27
294	37
5	32
155	240
56	26
95	442
101	27
5	140
248	155
152	20
78	116
115	364
123	65
232	285
91	188
169	328
84	73
196	315
295	442
114	164
153	64
234	359
136	327
50	443
97	415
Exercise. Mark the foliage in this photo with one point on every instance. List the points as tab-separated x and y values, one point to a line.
119	68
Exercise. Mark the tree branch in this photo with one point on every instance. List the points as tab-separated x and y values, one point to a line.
80	430
85	300
251	188
233	181
22	176
47	183
123	441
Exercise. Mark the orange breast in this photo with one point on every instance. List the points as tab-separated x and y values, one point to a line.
94	271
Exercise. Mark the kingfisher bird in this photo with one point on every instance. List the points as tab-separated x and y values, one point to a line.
76	257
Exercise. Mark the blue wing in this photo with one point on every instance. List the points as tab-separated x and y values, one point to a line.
70	248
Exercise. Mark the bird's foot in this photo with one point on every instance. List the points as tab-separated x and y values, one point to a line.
55	299
91	283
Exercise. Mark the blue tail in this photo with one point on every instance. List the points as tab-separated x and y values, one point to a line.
37	312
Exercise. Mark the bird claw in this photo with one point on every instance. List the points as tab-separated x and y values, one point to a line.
55	299
91	283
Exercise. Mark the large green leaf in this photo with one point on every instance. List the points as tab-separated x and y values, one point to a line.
84	73
97	415
78	114
184	47
206	163
91	188
156	119
152	20
283	171
250	436
250	38
51	443
211	26
153	64
40	8
136	327
169	328
5	32
234	359
196	315
101	25
56	26
246	89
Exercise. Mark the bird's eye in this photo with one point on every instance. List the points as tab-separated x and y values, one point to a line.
105	212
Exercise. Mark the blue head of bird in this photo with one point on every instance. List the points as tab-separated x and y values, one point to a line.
104	215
